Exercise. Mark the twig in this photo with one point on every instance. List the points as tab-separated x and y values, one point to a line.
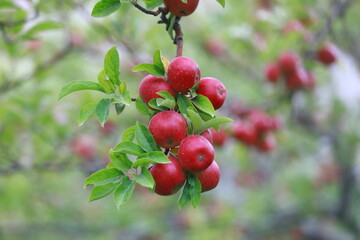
179	41
144	10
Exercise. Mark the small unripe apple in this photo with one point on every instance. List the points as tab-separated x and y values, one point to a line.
210	177
288	62
214	90
168	177
195	153
219	137
272	72
182	74
180	8
168	128
150	85
208	135
327	54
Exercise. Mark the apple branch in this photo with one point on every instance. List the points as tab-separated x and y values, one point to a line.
149	12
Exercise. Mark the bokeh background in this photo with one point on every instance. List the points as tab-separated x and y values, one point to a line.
307	187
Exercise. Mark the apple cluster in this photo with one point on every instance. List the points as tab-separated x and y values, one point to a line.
289	67
255	128
189	152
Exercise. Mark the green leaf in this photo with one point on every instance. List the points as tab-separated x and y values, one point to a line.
166	95
145	178
107	85
79	85
124	98
105	8
102	191
119	107
122	87
110	165
43	26
142	107
128	135
123	191
154	105
120	161
102	110
112	65
195	189
185	196
204	104
103	177
86	112
129	148
215	122
184	1
184	103
144	138
157	60
222	2
151	4
151	157
196	121
149	68
167	103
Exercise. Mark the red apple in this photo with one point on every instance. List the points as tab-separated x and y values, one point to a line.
179	8
272	72
150	85
195	153
215	47
208	135
327	54
214	90
168	177
288	62
84	146
219	137
297	79
244	132
210	177
182	74
169	128
293	26
109	127
267	143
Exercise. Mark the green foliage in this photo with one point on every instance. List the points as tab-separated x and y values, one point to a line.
104	177
78	86
102	110
123	191
86	112
190	192
105	7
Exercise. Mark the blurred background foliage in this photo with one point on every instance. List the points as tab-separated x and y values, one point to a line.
307	188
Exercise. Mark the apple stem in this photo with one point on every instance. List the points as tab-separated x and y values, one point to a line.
179	41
